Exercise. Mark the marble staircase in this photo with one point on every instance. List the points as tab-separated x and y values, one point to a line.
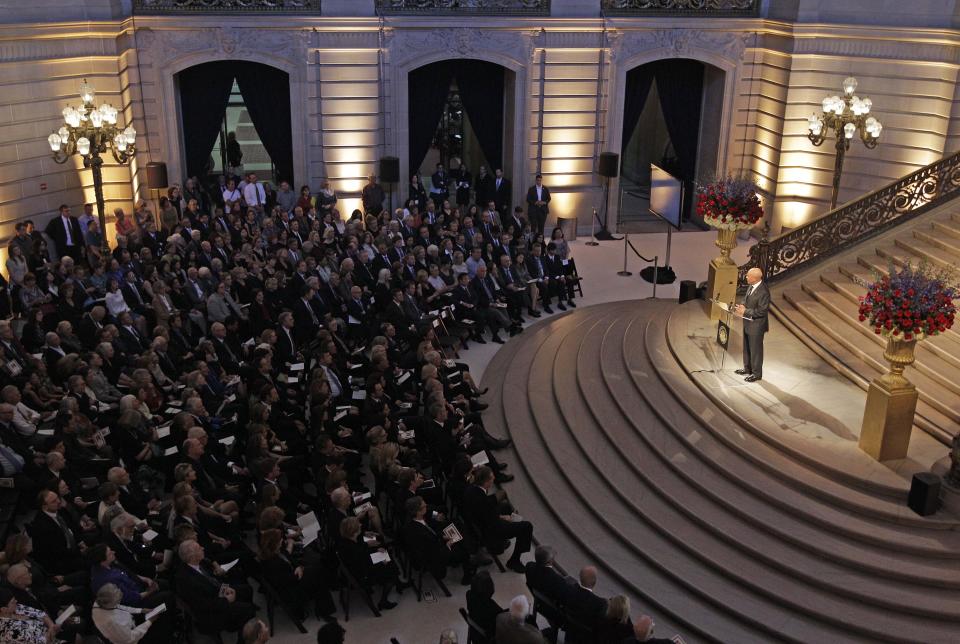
722	529
820	307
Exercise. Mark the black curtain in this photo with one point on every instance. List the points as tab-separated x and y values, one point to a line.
639	81
427	89
481	91
266	94
680	85
204	93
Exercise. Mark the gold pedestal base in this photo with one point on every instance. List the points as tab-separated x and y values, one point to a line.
888	419
721	285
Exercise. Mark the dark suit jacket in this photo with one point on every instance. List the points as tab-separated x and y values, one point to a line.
203	594
483	611
483	300
547	580
585	605
58	233
757	305
543	210
50	544
501	197
285	349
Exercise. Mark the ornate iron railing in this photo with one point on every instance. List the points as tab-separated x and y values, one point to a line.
680	7
475	7
144	7
856	221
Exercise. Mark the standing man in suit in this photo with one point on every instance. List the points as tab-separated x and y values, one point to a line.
538	205
755	306
439	190
65	232
501	192
483	186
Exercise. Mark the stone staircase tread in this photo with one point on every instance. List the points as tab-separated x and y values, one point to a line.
803	542
950	228
920	251
798	469
943	242
657	544
930	391
677	597
936	360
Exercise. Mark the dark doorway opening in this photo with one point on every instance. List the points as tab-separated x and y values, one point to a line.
669	114
236	110
458	110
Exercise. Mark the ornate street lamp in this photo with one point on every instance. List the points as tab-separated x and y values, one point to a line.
845	116
90	131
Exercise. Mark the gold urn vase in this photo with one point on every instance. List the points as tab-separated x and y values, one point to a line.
891	403
899	353
726	242
722	274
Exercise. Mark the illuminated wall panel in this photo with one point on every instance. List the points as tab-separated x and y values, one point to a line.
348	121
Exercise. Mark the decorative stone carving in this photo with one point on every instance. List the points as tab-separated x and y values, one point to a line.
677	42
404	45
441	7
686	7
160	46
223	6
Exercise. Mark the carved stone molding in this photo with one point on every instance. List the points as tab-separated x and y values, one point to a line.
347	40
158	47
677	43
404	45
14	51
680	7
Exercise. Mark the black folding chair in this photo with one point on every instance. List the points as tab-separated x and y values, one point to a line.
475	634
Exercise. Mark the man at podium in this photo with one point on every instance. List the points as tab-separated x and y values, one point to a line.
755	324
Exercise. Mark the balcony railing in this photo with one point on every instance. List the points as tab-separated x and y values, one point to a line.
462	7
698	8
145	7
850	224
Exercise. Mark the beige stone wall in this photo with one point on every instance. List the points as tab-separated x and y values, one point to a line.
349	102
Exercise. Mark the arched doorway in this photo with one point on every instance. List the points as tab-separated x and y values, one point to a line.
671	118
458	111
236	114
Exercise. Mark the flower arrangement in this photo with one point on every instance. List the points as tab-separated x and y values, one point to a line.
911	303
730	203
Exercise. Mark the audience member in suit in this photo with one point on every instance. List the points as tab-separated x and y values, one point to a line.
512	626
538	205
481	606
643	632
215	605
496	527
582	603
356	557
66	234
501	192
136	557
296	581
57	542
139	591
427	545
544	578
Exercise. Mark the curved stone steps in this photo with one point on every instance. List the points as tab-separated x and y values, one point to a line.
724	579
643	577
641	539
710	531
819	322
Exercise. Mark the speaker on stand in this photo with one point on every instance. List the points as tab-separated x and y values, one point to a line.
390	174
156	177
608	167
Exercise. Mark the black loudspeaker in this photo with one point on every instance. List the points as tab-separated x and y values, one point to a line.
688	291
924	498
156	175
609	165
390	170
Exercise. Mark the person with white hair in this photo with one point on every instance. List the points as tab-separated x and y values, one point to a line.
448	636
643	632
512	626
116	622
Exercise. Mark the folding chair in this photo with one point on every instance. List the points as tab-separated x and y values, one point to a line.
475	634
575	276
347	583
273	600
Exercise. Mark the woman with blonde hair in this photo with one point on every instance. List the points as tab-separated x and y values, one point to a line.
615	625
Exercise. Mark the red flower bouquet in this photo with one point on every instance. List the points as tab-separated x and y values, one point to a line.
729	204
911	303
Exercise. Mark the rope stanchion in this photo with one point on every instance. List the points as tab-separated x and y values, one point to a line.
655	261
625	272
593	228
